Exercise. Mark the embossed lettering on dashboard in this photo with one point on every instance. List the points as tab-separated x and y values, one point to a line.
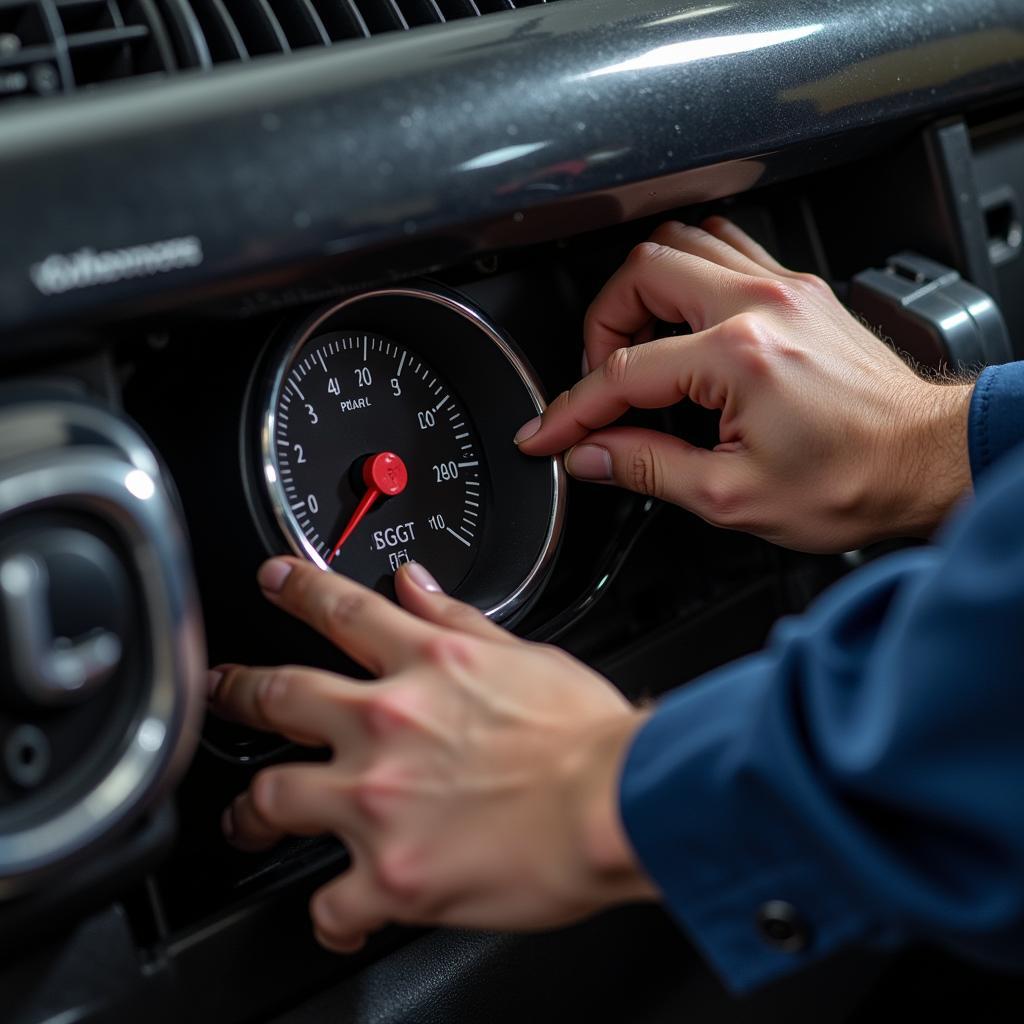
65	272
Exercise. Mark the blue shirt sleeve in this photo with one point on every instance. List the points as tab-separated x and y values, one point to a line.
996	421
865	773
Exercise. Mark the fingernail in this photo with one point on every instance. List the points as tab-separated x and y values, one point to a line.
422	578
589	462
585	364
527	430
213	678
227	824
272	574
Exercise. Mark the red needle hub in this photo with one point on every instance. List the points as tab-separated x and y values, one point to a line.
384	475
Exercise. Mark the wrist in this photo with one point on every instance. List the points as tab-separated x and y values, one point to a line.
610	864
930	464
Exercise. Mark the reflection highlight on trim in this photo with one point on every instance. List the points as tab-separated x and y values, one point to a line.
701	12
504	155
703	49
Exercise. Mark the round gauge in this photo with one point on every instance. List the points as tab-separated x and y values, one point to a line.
407	483
384	436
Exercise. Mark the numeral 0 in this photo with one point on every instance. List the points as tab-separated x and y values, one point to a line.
312	504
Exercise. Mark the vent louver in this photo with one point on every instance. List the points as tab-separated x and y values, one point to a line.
52	46
59	46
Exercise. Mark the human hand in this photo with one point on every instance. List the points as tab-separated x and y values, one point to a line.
829	441
476	784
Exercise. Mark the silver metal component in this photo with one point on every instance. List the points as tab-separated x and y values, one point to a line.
91	462
48	669
285	517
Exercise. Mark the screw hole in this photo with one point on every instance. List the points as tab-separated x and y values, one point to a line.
26	755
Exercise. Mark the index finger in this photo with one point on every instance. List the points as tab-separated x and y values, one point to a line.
657	281
649	376
365	625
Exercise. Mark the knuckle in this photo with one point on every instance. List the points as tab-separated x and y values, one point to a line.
723	501
374	794
758	348
666	232
746	329
345	609
652	252
392	709
814	284
773	292
449	651
644	475
644	253
747	336
716	223
275	691
567	402
617	367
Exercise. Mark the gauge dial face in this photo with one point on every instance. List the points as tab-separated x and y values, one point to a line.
379	432
377	461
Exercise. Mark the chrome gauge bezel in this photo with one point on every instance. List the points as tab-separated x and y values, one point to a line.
526	588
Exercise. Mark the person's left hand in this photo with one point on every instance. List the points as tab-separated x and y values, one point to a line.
476	784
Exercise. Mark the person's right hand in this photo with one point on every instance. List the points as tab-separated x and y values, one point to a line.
829	440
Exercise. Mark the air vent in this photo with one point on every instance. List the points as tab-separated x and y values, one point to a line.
57	46
53	46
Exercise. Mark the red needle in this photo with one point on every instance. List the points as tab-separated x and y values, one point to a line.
384	474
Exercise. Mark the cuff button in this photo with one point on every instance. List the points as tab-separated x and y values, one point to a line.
782	927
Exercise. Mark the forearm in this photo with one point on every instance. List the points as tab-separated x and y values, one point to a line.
866	769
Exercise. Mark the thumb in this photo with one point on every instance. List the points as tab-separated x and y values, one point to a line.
711	484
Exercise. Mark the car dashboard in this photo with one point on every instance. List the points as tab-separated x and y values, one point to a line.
267	263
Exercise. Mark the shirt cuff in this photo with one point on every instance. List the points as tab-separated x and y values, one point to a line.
996	419
741	877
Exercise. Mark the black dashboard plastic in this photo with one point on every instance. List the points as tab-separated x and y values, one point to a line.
496	132
516	157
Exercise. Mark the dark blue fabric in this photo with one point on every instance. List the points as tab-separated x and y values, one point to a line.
868	766
997	415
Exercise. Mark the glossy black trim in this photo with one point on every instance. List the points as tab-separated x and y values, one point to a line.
466	136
